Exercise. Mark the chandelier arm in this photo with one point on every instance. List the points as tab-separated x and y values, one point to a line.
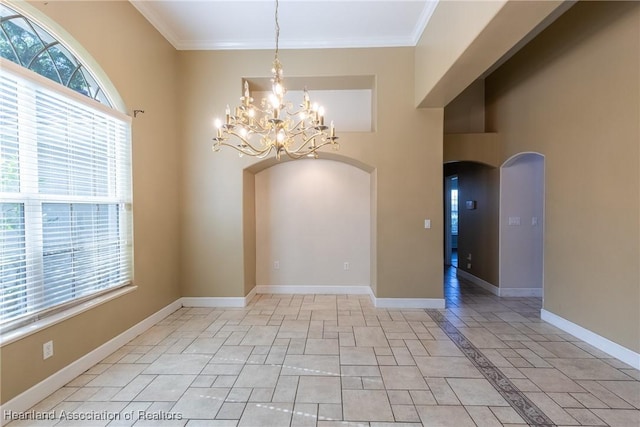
246	142
307	141
297	112
257	128
256	122
254	153
296	154
303	126
293	132
258	109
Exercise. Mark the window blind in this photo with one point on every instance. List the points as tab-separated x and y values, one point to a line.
65	199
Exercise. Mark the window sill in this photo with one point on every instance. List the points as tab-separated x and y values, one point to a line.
32	328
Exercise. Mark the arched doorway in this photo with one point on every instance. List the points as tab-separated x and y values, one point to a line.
522	225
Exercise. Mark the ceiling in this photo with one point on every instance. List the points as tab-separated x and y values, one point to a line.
304	24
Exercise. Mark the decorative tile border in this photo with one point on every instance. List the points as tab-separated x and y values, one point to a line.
518	401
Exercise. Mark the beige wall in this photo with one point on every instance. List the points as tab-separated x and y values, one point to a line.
141	64
465	114
482	148
573	95
453	26
465	38
405	151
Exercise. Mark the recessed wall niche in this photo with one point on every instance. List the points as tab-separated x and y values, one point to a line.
313	224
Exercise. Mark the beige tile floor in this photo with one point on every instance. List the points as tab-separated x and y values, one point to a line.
335	360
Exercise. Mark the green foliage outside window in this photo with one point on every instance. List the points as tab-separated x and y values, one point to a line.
26	43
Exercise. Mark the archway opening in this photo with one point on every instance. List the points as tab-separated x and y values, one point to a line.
522	225
311	224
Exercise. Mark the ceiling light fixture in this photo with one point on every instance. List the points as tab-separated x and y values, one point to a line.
257	131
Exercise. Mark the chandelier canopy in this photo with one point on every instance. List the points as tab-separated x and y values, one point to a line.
274	126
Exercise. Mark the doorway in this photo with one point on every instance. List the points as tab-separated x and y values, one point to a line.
451	221
522	225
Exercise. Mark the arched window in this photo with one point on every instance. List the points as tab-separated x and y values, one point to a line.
26	43
65	183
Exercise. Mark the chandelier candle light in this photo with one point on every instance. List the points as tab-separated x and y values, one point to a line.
274	126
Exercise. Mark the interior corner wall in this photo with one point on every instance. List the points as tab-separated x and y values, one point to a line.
573	95
477	228
405	151
121	41
249	229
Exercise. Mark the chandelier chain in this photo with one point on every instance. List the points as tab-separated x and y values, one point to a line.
277	31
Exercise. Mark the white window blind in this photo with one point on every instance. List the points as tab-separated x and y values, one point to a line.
65	198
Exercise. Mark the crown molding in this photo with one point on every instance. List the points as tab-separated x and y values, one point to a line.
423	20
261	44
147	12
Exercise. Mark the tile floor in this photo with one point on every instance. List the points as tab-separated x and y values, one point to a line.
327	360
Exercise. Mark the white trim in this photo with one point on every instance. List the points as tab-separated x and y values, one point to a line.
250	295
313	289
478	281
48	321
601	343
353	290
262	44
218	301
213	301
519	292
499	290
408	302
423	20
34	79
44	388
158	23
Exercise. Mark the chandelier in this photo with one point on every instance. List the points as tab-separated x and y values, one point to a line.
274	126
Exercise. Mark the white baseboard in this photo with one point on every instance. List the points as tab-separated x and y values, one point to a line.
287	289
408	302
229	302
353	290
44	388
519	292
499	290
624	354
252	293
478	281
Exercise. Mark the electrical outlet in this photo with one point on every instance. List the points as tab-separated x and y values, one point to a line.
346	266
276	265
47	350
468	266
